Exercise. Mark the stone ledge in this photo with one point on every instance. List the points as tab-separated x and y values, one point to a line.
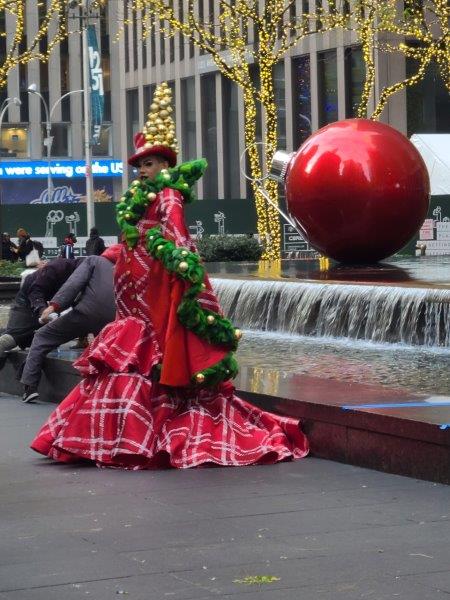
395	441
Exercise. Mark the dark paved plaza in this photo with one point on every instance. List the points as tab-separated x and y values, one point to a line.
318	529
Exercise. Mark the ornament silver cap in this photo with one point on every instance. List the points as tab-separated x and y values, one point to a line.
280	163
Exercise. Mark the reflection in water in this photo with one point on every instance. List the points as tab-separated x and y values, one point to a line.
407	270
262	381
393	366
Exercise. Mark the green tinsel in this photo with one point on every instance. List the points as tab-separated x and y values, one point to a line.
187	266
206	324
225	369
135	200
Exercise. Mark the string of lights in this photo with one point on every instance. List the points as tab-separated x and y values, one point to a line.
55	16
418	30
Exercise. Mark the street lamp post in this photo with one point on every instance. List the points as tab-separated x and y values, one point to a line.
3	108
90	213
32	89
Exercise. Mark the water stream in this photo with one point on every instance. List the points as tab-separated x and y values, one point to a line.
388	314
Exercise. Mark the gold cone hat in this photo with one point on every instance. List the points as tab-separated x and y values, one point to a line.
158	134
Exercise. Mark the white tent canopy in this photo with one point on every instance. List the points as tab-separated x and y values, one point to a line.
435	151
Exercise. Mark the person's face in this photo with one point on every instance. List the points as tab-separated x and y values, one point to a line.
150	166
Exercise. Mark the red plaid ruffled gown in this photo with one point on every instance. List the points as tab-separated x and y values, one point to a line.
121	416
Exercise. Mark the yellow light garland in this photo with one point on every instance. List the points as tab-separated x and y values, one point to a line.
426	24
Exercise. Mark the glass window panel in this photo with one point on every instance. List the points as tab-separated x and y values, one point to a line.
105	145
428	102
355	74
231	138
328	100
188	119
14	141
209	133
280	101
301	87
133	125
61	140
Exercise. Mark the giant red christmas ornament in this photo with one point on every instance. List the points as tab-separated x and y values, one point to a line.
359	189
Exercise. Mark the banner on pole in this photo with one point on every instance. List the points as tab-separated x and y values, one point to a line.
96	85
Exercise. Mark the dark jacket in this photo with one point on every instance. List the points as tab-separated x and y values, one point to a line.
7	250
42	285
67	250
91	288
95	245
25	247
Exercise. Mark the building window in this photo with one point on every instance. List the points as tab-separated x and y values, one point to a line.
188	120
301	87
60	132
147	96
201	20
209	135
162	44
355	75
133	125
14	141
280	101
126	45
171	40
231	138
327	75
305	12
427	102
181	37
152	32
256	81
104	148
135	41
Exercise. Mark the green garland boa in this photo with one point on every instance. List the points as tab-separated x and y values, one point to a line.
206	324
141	193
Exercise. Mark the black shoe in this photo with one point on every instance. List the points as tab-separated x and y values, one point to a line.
30	394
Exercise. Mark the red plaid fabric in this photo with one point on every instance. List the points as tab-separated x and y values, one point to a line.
119	417
123	420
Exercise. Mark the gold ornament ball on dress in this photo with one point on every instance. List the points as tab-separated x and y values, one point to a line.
237	334
183	266
151	196
184	253
203	286
136	182
210	319
164	114
199	378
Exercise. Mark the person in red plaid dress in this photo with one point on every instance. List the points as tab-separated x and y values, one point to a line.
156	389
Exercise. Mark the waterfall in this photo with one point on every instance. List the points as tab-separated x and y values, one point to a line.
413	316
